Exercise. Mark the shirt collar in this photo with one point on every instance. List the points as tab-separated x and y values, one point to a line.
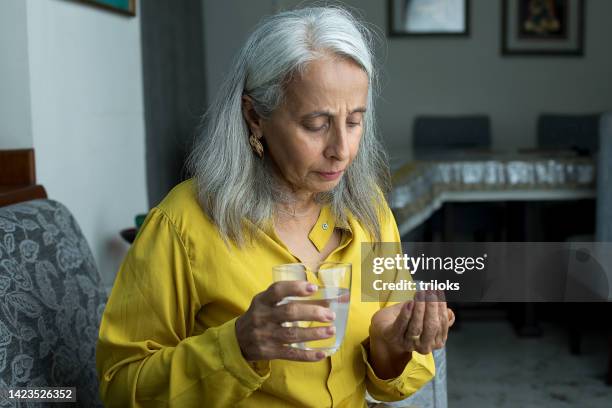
322	231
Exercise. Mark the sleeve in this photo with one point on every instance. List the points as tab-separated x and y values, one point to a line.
421	367
146	355
418	372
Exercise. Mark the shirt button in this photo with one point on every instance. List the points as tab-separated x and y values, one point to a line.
325	226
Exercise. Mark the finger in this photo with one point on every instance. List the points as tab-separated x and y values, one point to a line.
295	312
402	320
415	326
280	290
344	298
295	354
431	323
441	296
288	335
451	317
443	331
316	302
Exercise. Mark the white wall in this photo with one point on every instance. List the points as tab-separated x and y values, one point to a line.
450	75
87	119
15	121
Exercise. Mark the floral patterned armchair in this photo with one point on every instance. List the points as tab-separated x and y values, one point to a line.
51	302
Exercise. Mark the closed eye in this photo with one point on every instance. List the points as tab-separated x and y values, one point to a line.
355	119
315	128
316	124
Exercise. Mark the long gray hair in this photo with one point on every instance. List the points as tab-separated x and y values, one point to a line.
236	188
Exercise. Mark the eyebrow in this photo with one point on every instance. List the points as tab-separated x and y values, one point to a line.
328	113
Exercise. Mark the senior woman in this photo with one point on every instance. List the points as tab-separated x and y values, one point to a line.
288	170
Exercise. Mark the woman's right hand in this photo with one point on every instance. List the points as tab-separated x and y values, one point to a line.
261	335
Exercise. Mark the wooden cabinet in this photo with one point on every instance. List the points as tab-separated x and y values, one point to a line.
18	177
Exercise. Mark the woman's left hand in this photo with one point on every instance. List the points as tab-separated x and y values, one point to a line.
418	325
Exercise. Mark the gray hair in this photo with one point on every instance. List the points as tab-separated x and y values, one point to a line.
235	187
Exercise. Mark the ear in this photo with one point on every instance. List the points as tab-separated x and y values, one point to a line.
253	120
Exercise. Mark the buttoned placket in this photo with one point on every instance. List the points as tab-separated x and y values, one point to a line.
319	235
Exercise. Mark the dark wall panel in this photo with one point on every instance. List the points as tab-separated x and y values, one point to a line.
174	88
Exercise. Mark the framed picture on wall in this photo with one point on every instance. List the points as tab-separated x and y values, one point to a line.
127	7
542	27
428	17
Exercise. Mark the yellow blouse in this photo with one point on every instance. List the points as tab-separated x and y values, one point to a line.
167	336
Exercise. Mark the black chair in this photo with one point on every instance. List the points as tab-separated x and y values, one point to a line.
575	132
433	135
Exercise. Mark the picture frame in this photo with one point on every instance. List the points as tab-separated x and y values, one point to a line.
125	7
428	18
542	28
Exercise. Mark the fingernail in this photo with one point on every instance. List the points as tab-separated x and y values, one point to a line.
409	306
311	287
320	354
330	315
331	330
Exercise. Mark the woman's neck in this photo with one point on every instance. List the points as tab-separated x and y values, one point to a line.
293	203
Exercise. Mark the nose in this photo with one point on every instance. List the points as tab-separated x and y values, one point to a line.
338	146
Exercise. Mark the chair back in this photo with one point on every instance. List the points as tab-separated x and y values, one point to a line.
556	131
438	134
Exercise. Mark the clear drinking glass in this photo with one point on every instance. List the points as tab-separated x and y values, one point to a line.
333	280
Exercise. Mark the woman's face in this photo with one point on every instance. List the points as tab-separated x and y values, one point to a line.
314	135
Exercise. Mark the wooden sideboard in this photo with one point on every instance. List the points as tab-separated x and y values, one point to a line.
18	177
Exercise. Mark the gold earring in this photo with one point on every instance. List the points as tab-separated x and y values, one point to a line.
256	145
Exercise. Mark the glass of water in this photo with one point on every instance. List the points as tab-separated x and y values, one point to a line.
333	280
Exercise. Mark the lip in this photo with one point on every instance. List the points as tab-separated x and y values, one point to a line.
330	175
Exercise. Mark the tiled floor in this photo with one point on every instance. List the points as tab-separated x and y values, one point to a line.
489	366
